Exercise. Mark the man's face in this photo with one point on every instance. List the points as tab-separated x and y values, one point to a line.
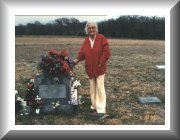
91	30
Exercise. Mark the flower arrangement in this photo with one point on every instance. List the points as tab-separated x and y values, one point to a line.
56	105
32	99
20	104
75	99
38	104
57	63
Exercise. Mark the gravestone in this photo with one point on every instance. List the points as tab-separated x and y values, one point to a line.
53	92
160	72
149	100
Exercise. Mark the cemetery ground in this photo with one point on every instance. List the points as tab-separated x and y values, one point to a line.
130	74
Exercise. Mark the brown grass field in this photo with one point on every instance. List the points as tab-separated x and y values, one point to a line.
130	74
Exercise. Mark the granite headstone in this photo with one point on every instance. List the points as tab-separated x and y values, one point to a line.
52	92
149	100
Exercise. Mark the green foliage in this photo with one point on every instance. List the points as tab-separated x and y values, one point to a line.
136	27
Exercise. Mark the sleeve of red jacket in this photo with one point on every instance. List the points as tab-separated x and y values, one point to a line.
105	51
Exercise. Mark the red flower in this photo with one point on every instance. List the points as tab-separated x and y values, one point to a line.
64	53
65	67
30	86
53	52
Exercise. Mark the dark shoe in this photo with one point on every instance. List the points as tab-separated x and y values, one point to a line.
101	116
93	115
92	110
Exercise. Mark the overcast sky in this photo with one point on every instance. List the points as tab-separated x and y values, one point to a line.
47	19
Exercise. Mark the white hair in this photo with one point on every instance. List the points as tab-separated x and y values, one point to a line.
92	23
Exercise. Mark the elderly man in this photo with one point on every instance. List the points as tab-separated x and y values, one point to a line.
95	51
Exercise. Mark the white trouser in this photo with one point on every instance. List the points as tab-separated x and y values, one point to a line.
97	94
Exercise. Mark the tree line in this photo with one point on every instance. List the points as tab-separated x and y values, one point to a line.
135	27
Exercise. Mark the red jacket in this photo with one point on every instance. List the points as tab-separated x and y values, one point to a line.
99	54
